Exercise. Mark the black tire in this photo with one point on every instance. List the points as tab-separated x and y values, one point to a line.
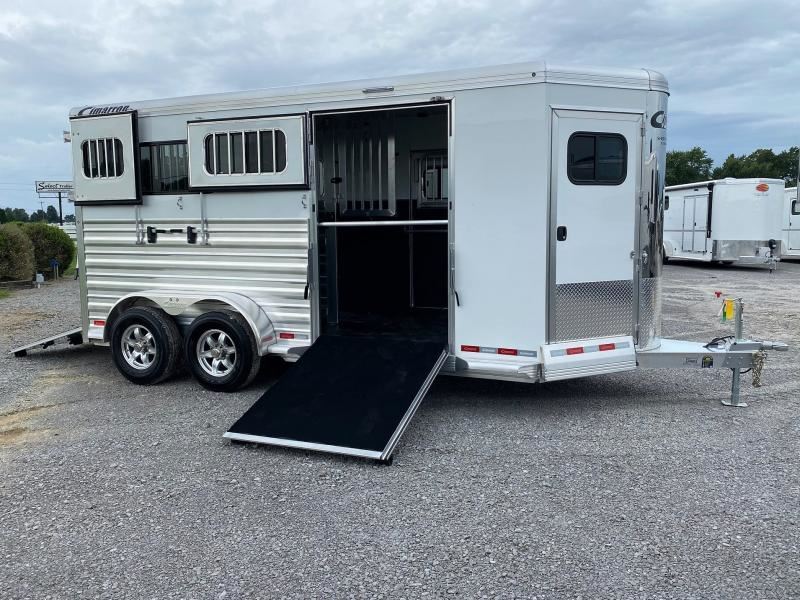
165	343
225	371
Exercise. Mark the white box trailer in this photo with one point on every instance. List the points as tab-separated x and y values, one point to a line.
379	233
726	220
791	224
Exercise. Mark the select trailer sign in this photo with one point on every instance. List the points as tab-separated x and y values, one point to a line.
54	187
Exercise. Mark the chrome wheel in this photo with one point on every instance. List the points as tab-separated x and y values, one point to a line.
138	347
216	353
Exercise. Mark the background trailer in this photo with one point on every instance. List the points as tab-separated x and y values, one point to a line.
791	224
727	220
502	223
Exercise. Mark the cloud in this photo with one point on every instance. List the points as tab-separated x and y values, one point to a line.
732	64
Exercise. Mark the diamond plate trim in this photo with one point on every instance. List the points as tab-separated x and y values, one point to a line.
649	312
593	309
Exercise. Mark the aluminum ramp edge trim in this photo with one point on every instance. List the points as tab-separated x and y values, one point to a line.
258	439
48	340
404	422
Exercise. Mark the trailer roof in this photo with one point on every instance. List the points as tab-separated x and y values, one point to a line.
388	87
726	181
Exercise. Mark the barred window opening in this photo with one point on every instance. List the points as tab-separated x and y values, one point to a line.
261	152
102	158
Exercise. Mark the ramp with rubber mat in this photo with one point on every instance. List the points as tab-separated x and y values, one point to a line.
352	395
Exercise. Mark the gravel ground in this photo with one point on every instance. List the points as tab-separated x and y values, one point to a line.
634	485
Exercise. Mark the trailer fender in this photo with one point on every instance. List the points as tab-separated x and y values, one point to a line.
669	249
178	302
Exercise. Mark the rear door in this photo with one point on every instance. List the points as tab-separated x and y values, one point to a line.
687	233
793	236
596	179
700	223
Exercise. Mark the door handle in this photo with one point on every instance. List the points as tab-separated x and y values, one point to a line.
191	233
561	233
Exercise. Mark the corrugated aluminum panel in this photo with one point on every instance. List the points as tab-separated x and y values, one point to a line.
265	259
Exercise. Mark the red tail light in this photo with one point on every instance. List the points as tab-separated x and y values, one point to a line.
467	348
285	335
608	347
578	350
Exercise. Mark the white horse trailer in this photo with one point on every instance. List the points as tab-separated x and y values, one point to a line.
379	233
727	220
791	224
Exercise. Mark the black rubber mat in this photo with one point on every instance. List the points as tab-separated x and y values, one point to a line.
347	392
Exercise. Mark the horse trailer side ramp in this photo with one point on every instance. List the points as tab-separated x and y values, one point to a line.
352	395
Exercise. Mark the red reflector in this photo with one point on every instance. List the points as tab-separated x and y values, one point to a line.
762	187
507	351
577	350
466	348
608	347
99	323
285	335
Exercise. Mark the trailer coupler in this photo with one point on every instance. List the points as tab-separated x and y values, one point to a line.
729	352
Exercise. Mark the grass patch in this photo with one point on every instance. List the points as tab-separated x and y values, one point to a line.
4	294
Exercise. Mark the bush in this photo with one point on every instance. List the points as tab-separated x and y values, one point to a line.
48	243
16	253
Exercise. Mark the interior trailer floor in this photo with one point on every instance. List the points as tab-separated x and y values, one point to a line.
421	324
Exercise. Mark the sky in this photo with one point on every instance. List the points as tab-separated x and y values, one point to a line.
733	66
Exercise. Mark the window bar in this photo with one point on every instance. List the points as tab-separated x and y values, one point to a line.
105	158
341	171
274	153
95	160
228	137
114	156
371	178
155	168
244	155
214	151
258	150
351	199
380	170
362	203
390	175
170	174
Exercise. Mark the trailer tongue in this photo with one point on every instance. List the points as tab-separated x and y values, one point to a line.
346	395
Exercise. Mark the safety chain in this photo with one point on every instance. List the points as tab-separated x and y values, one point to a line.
758	366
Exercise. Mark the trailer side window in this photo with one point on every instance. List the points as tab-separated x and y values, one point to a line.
164	168
237	152
102	158
597	158
796	207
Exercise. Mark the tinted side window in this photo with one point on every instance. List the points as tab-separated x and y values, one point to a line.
597	158
164	168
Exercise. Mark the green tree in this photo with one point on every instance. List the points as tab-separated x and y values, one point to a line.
788	165
688	166
69	218
39	216
18	214
52	214
763	162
